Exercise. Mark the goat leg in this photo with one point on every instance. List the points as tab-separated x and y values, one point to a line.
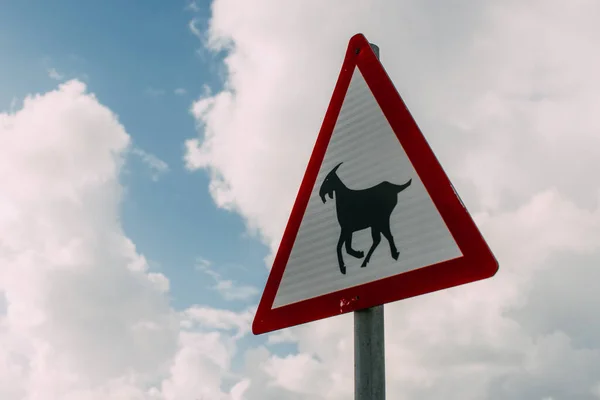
388	235
339	254
349	249
376	235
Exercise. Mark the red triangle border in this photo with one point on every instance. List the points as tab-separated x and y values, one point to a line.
477	261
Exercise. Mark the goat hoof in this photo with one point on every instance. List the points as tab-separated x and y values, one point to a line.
395	255
363	265
343	269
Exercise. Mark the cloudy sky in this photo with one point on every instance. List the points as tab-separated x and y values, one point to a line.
150	155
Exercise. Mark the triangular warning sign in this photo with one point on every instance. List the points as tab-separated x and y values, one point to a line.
376	219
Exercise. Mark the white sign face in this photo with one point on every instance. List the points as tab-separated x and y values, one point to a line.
411	233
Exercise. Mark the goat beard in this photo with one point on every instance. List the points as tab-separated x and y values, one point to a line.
330	194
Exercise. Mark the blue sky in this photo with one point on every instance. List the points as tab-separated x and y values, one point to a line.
506	92
133	58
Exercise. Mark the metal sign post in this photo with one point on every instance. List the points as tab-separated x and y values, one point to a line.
369	354
369	346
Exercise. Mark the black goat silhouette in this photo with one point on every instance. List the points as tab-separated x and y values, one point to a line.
361	209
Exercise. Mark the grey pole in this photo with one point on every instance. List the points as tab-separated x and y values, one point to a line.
375	49
369	346
369	354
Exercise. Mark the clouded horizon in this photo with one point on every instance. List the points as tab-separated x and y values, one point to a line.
151	157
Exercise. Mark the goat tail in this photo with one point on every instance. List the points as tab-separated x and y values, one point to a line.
400	188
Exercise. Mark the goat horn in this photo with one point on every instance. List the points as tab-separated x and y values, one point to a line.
336	167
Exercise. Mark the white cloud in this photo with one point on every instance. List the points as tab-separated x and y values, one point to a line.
180	91
192	6
202	355
53	74
13	105
505	93
219	319
239	389
232	291
227	288
156	165
194	28
81	314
